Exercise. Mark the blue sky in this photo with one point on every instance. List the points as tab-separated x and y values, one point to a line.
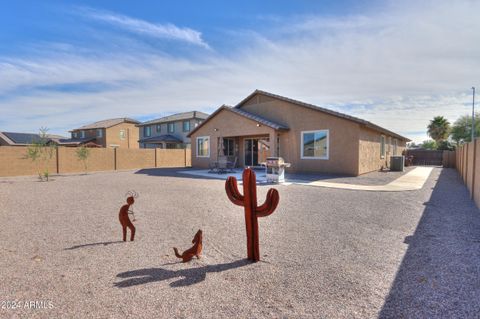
398	64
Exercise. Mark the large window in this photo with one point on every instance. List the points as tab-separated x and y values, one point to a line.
228	146
186	126
315	144
395	145
159	128
203	146
99	132
382	146
122	134
82	134
171	127
147	131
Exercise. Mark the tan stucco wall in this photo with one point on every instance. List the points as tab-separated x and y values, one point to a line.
343	135
13	162
228	124
369	150
131	136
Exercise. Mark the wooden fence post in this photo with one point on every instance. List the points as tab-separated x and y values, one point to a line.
58	162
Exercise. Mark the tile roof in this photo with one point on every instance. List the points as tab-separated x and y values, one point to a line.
106	123
177	117
245	114
74	141
162	138
324	110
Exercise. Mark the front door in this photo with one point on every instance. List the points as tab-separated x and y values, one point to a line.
251	152
256	151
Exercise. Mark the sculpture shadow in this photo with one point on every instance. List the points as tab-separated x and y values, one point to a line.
106	243
187	277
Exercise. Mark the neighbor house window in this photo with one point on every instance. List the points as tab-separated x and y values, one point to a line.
74	135
159	128
147	131
186	126
171	127
228	146
203	146
99	132
315	144
382	146
122	134
82	134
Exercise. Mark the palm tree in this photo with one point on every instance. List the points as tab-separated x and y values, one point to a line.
439	128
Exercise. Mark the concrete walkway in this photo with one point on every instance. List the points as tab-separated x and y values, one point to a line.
413	180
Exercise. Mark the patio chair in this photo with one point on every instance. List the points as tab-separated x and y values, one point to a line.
222	165
231	165
213	167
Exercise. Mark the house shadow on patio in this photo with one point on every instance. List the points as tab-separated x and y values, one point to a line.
187	277
439	274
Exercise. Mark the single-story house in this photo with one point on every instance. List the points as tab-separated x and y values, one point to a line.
309	137
25	139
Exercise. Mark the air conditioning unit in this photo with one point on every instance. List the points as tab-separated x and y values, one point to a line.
397	163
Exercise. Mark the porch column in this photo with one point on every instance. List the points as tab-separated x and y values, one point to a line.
273	143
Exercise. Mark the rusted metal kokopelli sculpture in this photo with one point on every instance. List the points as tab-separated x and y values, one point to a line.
252	211
123	216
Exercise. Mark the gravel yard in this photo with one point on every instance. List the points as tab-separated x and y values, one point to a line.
327	253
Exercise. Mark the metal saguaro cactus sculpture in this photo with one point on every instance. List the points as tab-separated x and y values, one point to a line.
252	211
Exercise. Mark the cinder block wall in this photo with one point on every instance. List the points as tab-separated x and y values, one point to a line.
13	161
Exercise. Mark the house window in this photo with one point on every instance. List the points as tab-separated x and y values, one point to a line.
171	127
147	131
203	146
228	146
99	132
159	128
315	144
382	146
395	144
82	134
122	134
186	126
74	135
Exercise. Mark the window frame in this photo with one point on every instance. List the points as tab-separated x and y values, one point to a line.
124	135
99	130
230	141
82	134
395	146
168	127
326	157
196	146
383	149
183	126
145	129
158	128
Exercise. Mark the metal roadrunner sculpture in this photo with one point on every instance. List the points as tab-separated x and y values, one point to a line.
252	211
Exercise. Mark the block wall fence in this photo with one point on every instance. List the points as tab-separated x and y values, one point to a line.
467	159
13	161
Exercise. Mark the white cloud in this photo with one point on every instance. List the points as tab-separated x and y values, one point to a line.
398	68
163	31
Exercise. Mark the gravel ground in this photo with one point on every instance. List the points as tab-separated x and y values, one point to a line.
327	253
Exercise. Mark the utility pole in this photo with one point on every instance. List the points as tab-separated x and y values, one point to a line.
473	114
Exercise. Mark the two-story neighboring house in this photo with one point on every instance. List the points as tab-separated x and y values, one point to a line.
170	131
119	132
